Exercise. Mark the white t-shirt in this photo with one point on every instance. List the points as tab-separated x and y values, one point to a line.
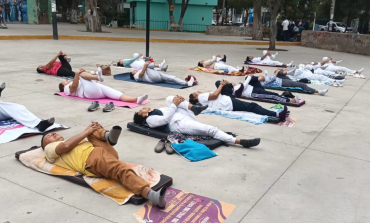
144	78
223	102
256	59
78	93
285	24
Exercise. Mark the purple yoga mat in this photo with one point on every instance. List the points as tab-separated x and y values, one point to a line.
106	101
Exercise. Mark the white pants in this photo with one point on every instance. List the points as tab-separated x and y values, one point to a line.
94	90
329	74
334	68
301	73
222	66
188	125
170	79
268	61
19	113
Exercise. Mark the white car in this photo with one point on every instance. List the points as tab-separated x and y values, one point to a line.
338	27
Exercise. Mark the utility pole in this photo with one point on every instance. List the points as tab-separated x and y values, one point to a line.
332	8
147	26
54	19
222	13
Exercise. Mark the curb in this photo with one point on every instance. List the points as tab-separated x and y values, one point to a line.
264	43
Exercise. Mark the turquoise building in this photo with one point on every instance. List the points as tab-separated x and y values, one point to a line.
198	15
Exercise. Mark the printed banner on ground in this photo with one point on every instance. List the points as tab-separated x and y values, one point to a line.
185	207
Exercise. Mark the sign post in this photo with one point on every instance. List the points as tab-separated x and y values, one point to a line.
147	26
54	18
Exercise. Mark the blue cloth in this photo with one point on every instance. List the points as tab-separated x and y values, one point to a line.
126	77
193	151
239	115
272	81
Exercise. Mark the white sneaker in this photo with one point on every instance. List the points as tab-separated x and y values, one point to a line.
274	55
296	98
360	71
289	64
323	92
362	76
334	84
100	75
161	64
356	75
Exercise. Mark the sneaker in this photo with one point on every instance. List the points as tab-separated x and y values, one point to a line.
169	148
196	109
69	59
94	106
2	87
323	92
296	98
160	146
45	124
273	120
165	68
108	107
224	59
362	76
356	75
100	74
283	114
334	84
248	143
242	70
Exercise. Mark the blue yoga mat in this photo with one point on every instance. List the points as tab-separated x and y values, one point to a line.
126	77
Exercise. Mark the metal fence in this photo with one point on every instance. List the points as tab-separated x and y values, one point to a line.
165	25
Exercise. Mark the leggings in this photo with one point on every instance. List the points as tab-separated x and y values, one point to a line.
263	94
290	83
65	70
94	90
250	107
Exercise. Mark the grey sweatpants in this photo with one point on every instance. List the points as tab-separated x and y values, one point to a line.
158	77
290	83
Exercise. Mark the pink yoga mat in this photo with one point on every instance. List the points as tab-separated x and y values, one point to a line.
106	101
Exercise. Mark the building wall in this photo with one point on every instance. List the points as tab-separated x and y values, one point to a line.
32	12
341	42
198	14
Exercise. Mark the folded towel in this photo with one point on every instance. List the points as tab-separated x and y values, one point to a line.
193	151
35	159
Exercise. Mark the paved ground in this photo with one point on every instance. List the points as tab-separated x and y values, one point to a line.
316	171
79	30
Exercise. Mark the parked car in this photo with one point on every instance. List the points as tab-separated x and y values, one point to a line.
338	27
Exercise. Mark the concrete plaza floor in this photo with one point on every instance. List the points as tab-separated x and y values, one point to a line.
316	171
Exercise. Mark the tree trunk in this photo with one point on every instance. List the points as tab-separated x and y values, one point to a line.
274	9
183	10
257	21
74	12
92	17
172	18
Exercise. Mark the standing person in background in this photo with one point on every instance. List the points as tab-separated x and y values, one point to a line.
7	11
1	15
285	25
290	29
15	6
20	8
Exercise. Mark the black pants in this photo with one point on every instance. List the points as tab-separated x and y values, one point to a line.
65	70
286	35
243	105
290	83
7	15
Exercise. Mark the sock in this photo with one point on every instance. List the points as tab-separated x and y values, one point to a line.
274	55
289	64
2	87
360	71
323	92
100	75
191	81
113	135
44	124
157	197
266	74
161	64
296	98
291	72
141	99
338	61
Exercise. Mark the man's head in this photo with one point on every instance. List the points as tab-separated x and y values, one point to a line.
63	84
120	63
249	58
40	69
200	63
142	115
132	74
193	97
50	138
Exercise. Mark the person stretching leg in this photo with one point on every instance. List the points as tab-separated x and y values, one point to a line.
152	76
62	68
222	99
179	117
217	63
252	88
266	60
97	157
82	86
138	63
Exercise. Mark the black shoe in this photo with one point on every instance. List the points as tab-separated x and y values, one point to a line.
44	124
224	59
273	120
242	70
248	143
283	114
108	107
197	109
2	87
94	106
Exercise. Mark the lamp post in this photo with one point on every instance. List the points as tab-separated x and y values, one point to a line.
147	26
54	19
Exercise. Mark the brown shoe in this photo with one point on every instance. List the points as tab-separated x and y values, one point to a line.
160	146
169	148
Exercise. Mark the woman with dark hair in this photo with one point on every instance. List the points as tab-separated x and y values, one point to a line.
61	68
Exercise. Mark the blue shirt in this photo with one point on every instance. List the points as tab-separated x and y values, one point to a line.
272	81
